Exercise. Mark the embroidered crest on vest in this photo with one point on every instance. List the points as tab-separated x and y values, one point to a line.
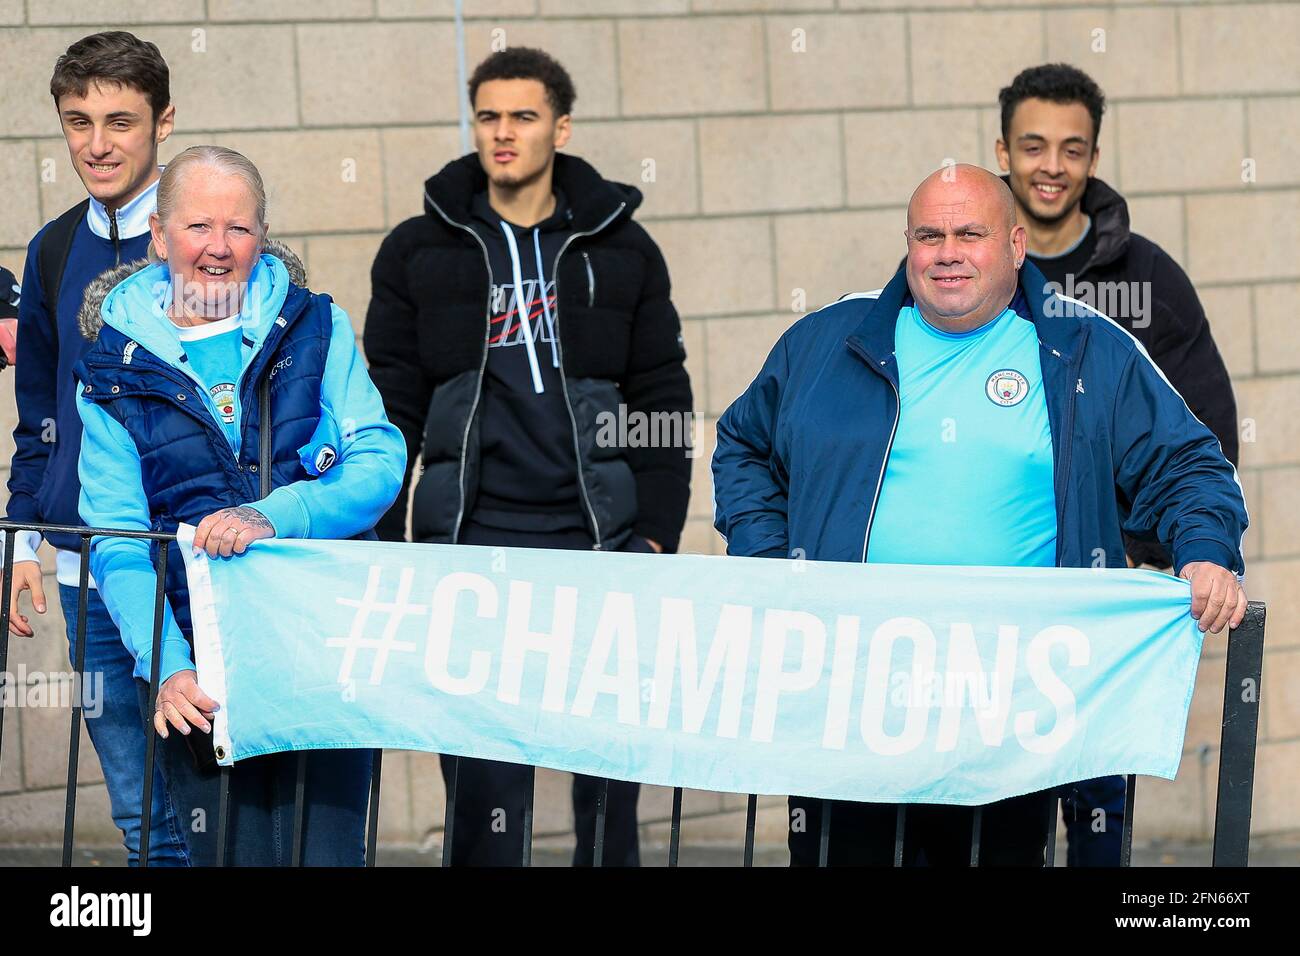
129	351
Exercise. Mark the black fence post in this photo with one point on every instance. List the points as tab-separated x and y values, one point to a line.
1053	809
824	839
602	806
1241	694
223	816
900	828
1126	825
151	732
449	817
372	825
675	828
78	685
751	815
527	858
299	799
6	588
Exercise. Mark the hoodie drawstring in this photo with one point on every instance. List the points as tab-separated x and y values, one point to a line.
546	302
521	307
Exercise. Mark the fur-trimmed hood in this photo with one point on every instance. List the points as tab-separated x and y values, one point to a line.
90	318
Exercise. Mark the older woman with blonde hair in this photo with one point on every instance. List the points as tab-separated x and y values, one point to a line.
216	395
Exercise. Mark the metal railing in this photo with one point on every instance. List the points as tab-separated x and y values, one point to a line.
1244	665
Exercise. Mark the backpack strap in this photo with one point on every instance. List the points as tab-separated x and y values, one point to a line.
52	259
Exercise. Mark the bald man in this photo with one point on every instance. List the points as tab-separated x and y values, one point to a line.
966	415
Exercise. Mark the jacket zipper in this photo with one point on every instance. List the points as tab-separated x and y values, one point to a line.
1067	436
591	281
190	380
478	390
884	463
239	392
564	385
113	234
487	328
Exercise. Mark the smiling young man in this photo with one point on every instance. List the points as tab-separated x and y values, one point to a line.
1078	236
112	94
504	322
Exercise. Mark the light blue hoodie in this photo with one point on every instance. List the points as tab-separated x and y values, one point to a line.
347	499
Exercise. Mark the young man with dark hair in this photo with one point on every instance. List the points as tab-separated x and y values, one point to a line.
505	322
113	98
1078	236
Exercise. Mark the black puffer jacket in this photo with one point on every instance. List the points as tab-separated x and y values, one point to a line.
1174	332
620	343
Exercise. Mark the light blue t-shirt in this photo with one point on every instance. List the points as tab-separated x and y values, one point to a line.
215	351
969	478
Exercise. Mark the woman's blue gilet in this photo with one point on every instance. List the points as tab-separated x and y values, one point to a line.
188	467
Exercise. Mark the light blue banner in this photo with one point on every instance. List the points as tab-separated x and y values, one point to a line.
860	682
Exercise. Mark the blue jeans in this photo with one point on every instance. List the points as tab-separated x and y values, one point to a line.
336	795
117	731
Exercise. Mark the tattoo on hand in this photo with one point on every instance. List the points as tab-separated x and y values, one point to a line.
249	515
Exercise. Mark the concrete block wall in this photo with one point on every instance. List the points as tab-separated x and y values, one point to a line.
776	143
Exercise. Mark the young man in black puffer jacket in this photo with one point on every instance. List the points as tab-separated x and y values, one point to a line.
1079	238
514	413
